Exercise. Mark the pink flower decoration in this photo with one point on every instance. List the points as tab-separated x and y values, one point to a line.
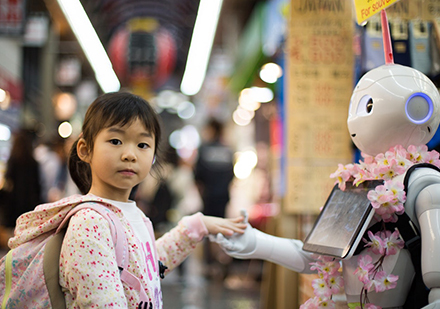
388	202
316	303
378	196
388	199
416	153
321	289
326	265
311	303
397	188
342	175
335	283
393	242
361	175
383	282
367	158
377	244
364	268
327	304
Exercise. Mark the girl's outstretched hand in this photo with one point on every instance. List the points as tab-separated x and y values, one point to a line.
224	226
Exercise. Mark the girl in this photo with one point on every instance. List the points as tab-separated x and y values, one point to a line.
118	146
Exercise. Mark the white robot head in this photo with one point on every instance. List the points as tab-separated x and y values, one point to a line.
393	105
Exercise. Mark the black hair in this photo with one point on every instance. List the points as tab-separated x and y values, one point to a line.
217	128
115	108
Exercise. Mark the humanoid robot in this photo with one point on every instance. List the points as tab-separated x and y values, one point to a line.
391	105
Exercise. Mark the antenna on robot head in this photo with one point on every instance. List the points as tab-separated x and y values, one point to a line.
387	48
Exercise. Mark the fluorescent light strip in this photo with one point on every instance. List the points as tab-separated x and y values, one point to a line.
91	45
201	45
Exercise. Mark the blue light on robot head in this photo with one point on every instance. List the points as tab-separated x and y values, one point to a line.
419	108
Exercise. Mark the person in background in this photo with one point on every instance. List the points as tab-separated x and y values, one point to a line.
213	173
56	182
48	157
21	190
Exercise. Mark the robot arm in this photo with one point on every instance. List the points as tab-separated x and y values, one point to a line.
427	207
254	244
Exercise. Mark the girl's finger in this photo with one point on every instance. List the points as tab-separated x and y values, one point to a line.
238	219
238	228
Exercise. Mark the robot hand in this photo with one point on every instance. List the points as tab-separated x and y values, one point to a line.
254	244
238	246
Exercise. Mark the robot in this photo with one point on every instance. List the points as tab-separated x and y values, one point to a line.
391	105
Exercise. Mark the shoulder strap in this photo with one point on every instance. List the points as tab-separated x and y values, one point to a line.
52	249
408	231
418	296
51	257
116	229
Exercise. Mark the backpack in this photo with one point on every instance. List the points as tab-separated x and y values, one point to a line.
31	271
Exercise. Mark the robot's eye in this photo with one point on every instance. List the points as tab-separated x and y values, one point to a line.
369	105
419	108
365	106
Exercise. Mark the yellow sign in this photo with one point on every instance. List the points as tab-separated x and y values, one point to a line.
367	8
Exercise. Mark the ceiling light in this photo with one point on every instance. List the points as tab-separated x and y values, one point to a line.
201	45
91	45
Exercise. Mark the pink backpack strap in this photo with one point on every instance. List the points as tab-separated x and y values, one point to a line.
116	229
119	239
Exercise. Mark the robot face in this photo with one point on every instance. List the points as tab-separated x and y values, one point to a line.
393	105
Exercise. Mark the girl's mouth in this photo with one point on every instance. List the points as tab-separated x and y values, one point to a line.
127	172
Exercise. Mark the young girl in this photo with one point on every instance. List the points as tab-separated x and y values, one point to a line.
118	146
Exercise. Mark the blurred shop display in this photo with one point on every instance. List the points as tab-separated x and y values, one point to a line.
12	17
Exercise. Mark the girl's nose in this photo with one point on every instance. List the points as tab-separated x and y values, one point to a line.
128	155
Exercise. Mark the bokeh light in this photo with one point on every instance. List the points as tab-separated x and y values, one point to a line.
270	72
65	129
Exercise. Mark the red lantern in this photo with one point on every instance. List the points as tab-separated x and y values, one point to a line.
143	55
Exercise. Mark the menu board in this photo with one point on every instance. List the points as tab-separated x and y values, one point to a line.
319	87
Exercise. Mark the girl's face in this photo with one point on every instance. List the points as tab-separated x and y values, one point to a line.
122	157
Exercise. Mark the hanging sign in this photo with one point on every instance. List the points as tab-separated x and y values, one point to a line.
12	17
367	8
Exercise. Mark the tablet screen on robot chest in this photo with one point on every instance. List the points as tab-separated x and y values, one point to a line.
342	222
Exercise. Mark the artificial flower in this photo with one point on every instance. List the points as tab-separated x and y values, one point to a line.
384	281
320	288
365	265
377	244
393	243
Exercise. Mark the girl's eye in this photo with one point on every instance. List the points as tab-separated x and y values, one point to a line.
115	142
143	145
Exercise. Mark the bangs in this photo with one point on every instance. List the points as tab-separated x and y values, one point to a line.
121	109
125	114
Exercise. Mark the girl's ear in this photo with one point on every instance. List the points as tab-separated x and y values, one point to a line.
83	150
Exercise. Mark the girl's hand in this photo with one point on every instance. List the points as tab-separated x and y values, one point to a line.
227	227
